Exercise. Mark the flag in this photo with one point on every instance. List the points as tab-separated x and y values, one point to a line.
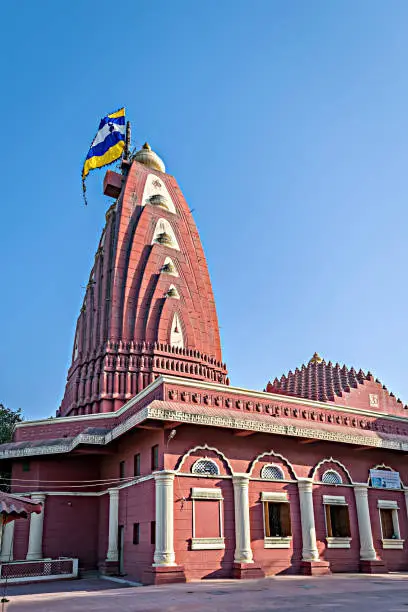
108	144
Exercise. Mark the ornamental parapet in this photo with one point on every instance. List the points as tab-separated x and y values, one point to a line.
119	370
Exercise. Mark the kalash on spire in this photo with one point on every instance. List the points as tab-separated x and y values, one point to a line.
149	307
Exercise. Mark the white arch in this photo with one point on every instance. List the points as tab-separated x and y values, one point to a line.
155	186
173	293
176	332
271	452
330	460
169	262
164	227
382	466
203	447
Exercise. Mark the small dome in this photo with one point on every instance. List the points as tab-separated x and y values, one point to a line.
316	359
149	158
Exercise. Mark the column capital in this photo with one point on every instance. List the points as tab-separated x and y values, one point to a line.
164	475
361	488
113	492
305	484
38	497
241	479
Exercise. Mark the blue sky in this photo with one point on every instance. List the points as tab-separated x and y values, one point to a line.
286	126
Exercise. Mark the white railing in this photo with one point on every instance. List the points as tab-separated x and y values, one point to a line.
14	572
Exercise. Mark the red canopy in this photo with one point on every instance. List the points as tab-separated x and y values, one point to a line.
13	507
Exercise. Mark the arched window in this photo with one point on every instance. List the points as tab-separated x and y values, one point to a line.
168	267
272	472
176	334
332	477
172	293
164	234
155	193
208	467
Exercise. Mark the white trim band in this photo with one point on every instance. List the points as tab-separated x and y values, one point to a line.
387	504
272	496
334	500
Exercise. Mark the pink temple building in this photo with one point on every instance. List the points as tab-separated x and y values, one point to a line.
157	469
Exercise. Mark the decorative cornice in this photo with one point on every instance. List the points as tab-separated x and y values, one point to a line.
235	421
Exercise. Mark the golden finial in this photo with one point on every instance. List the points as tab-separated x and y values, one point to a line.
147	146
316	358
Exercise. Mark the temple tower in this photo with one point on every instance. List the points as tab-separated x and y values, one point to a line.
149	307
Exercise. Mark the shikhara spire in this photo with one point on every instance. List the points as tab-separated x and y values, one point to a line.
149	306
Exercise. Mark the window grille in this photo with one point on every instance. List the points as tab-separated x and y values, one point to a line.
332	477
205	466
272	472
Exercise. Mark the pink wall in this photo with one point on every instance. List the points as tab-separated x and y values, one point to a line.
71	528
202	563
21	531
137	505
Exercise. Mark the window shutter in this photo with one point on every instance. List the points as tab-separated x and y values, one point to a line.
387	524
344	522
328	522
266	519
285	520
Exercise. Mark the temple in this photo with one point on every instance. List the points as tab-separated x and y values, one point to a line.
159	470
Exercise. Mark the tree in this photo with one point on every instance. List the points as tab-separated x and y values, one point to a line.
8	421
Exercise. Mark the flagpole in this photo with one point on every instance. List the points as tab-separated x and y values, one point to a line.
128	138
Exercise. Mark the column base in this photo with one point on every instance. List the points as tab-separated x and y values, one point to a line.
246	571
315	568
109	568
373	567
164	574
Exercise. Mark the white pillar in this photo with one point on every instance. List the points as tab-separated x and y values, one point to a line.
309	549
164	551
35	539
406	500
113	551
243	550
367	550
6	552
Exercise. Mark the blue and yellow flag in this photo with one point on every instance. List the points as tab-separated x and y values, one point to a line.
108	144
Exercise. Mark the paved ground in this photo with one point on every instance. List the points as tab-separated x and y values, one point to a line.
340	593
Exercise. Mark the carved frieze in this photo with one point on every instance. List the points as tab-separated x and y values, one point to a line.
315	416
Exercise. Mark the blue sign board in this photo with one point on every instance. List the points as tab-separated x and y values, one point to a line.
384	479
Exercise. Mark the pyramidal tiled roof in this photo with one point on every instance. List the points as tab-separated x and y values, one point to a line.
321	381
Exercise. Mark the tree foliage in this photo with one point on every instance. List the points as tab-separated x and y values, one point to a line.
8	420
